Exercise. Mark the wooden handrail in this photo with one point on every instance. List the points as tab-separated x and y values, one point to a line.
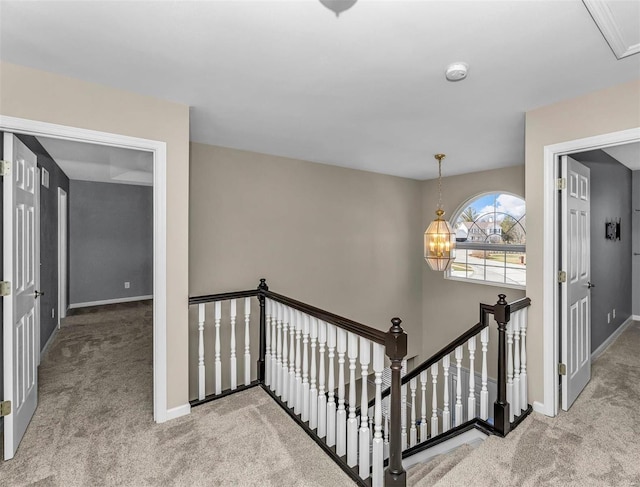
485	310
211	298
415	372
520	304
359	329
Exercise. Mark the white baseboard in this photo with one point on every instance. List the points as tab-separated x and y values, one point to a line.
176	412
110	301
471	437
538	407
49	342
598	351
635	317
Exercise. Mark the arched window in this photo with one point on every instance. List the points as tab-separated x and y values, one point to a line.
490	241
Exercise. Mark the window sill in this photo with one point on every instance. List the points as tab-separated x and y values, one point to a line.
486	283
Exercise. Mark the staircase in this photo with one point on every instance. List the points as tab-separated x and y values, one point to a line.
332	376
427	474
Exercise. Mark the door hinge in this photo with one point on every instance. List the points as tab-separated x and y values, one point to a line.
5	168
562	369
5	408
5	288
561	183
562	276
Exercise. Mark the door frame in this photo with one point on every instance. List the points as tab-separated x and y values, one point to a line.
62	254
159	152
551	252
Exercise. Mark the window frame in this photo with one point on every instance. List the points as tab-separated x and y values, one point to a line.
487	246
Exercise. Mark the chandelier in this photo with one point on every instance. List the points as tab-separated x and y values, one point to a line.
439	238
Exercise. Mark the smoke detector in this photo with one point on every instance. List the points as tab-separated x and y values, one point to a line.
457	71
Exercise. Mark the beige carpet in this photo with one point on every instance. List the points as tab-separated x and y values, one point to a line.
595	443
94	422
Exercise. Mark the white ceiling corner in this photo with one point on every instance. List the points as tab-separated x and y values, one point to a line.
619	22
627	154
100	163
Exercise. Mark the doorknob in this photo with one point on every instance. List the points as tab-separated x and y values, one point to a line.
590	285
38	294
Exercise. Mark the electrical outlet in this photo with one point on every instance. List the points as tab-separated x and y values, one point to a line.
614	312
53	312
127	284
608	317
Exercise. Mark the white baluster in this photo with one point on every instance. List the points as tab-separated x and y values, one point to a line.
303	391
232	360
471	404
247	341
293	395
413	431
267	353
322	399
459	355
403	416
434	401
510	369
378	441
515	405
524	400
446	414
276	372
217	362
341	415
364	438
297	373
424	377
331	386
201	377
352	421
484	393
385	414
284	369
313	391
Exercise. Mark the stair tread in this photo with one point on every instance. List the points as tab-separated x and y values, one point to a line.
428	473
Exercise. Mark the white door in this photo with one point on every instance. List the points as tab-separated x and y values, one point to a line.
21	350
576	298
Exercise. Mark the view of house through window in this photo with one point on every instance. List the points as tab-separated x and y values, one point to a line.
491	236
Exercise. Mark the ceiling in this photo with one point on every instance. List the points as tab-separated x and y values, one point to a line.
627	154
363	90
93	162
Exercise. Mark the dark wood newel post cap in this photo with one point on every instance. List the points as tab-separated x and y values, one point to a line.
502	309
396	342
263	285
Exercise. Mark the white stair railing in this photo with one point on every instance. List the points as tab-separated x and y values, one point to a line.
308	362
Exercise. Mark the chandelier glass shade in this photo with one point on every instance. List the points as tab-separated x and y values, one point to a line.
439	238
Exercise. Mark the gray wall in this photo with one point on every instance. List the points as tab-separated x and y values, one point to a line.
636	245
48	237
610	259
110	241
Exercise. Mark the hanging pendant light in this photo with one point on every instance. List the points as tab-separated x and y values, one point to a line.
439	238
338	6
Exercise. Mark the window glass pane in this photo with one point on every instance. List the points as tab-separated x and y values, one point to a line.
496	220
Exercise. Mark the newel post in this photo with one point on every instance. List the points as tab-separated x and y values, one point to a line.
263	328
396	350
502	315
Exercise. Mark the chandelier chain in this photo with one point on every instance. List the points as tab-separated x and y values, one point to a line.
440	184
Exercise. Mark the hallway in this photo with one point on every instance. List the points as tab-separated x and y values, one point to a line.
94	423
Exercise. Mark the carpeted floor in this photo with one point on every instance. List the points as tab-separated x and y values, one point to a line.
94	423
94	426
595	443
